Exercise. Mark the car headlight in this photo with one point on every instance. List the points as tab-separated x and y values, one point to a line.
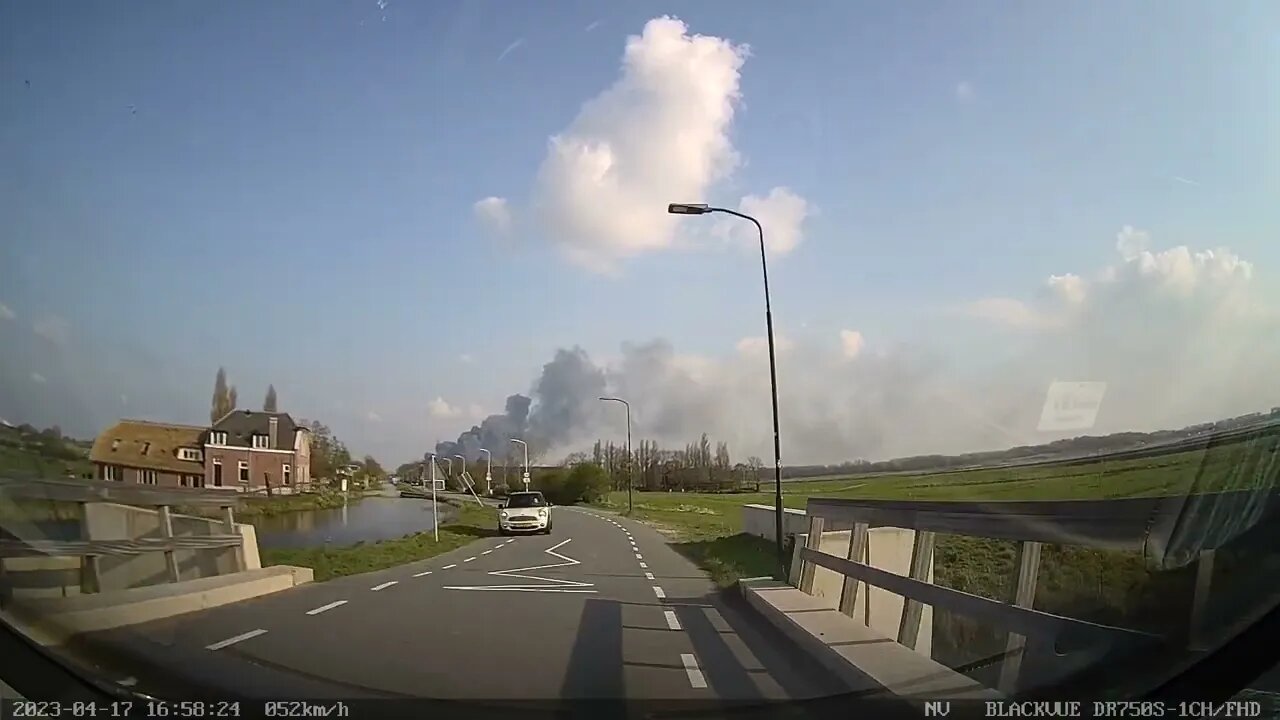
502	514
542	512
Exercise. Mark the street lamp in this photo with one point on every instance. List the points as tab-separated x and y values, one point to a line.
703	209
628	406
488	471
525	445
464	471
435	515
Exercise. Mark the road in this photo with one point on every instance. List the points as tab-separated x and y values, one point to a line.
601	608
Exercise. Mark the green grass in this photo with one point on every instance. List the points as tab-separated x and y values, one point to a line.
1097	585
23	459
469	523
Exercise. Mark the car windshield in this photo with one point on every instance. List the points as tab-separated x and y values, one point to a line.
525	500
947	329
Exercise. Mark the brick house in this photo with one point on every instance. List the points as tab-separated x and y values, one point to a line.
249	451
244	451
150	453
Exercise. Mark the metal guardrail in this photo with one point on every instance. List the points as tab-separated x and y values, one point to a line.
89	549
1135	524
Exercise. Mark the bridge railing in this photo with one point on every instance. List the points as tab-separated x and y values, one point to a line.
104	536
1168	531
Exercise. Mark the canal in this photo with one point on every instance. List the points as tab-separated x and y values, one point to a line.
379	517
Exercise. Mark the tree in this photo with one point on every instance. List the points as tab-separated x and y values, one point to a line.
233	399
269	405
722	456
221	404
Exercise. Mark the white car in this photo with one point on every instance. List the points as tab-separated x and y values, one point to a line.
524	512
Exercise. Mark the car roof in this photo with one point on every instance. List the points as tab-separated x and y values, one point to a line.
527	492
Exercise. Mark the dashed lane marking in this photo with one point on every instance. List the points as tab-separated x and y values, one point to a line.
648	576
691	669
325	608
469	559
659	592
384	585
644	565
486	552
672	622
639	556
424	573
446	567
233	640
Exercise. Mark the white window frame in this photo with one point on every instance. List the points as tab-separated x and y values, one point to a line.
148	477
218	437
286	473
218	480
242	472
189	454
261	442
114	473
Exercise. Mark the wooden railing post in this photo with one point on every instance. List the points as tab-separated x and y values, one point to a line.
857	548
228	517
813	542
90	567
1024	595
166	532
921	562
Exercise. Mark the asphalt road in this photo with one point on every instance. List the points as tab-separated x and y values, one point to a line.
602	608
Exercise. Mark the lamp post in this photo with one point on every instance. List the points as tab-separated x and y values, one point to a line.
464	471
627	405
525	445
435	523
703	209
488	471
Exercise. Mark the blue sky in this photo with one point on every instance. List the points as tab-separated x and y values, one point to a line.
286	189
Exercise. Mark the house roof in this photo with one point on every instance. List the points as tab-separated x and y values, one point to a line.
148	445
241	425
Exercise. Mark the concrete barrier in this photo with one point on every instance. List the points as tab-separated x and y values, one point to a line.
887	549
54	621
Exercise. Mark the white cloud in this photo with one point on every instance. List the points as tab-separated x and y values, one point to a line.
659	134
964	91
509	49
851	343
1006	311
52	328
475	412
592	26
439	408
37	378
758	345
781	214
6	313
494	214
373	417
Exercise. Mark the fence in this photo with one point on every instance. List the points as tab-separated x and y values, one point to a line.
1166	530
117	541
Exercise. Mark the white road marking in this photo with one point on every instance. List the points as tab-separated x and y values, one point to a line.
233	640
691	669
672	622
330	606
486	552
509	541
549	584
384	585
129	681
469	559
639	556
648	576
422	574
446	567
659	592
644	565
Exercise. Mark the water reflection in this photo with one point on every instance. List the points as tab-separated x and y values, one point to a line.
368	520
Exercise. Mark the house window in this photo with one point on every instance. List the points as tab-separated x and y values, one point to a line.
244	472
217	472
261	442
146	447
285	473
192	481
147	477
217	437
189	454
111	472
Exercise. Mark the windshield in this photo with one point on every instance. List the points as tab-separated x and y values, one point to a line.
525	500
924	327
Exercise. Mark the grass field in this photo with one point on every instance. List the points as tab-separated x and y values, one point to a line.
468	523
1101	586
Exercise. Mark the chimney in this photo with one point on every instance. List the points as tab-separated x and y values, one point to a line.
273	426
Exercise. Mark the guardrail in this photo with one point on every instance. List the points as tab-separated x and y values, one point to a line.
1169	531
91	550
